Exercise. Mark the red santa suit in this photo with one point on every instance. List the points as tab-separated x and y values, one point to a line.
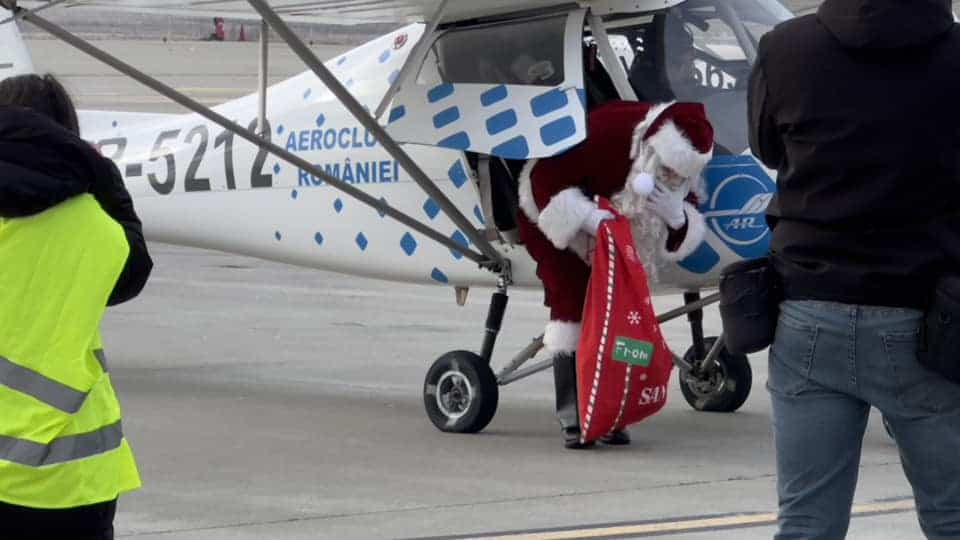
624	139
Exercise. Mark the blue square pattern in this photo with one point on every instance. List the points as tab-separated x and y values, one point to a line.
318	238
397	113
392	78
439	276
362	241
338	205
384	56
515	148
457	175
493	95
501	122
459	238
446	117
408	244
439	92
277	235
457	141
380	212
431	209
479	215
548	102
558	130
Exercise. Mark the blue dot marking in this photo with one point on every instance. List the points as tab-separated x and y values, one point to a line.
558	130
458	141
306	93
318	238
493	95
341	60
381	212
439	276
362	241
293	194
384	56
501	122
459	238
457	175
548	102
397	113
115	123
349	83
479	215
515	148
277	235
408	244
320	120
276	168
431	208
437	93
446	117
392	78
280	129
338	205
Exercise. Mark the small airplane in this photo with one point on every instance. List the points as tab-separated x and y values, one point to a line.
399	159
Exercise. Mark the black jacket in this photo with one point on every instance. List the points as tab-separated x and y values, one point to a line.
43	164
858	108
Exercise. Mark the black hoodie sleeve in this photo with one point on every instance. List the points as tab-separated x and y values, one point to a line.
112	194
765	140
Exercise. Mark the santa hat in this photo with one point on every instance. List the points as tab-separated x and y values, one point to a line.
679	134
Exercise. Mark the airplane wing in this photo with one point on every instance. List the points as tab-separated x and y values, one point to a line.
321	11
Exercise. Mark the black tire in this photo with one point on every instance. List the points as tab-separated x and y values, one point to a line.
724	388
460	393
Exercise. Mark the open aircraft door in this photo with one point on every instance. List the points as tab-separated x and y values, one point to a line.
509	88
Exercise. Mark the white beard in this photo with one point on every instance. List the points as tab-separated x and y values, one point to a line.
649	231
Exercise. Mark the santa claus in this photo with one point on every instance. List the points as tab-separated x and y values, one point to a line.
646	159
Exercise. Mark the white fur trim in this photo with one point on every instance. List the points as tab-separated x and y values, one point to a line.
563	216
677	152
527	203
696	230
561	337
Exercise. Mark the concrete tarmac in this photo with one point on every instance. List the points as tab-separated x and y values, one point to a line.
267	401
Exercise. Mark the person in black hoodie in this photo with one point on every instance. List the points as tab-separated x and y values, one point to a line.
856	108
43	162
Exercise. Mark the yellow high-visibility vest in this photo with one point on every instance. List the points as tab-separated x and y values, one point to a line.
61	442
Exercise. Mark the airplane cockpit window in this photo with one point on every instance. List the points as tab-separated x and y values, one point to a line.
528	52
702	51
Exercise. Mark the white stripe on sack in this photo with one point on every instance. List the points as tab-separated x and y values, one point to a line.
611	253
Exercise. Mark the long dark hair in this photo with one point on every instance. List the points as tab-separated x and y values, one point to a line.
44	95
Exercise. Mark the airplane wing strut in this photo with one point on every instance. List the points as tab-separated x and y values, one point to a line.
488	257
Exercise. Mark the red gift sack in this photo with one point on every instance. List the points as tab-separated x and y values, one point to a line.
623	362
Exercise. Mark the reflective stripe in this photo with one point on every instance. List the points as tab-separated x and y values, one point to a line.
102	358
61	450
49	391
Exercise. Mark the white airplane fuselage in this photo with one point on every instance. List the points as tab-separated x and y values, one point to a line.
196	184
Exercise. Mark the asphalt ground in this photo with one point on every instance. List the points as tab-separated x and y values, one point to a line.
268	401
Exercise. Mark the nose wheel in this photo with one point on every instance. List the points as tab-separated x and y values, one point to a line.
460	393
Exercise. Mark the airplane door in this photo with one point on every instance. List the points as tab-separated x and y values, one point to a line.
512	89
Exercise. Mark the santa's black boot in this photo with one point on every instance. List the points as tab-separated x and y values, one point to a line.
565	384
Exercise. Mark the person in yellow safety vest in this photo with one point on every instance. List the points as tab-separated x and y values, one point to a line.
70	244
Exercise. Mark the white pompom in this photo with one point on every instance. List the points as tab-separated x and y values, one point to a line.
642	184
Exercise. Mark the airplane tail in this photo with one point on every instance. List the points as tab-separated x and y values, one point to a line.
14	57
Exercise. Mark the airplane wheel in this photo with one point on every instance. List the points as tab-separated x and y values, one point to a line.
723	388
460	393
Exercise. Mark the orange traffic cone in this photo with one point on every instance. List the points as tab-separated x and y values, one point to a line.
243	35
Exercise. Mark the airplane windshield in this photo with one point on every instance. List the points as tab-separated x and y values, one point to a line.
701	50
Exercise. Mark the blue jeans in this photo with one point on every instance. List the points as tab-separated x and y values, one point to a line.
829	364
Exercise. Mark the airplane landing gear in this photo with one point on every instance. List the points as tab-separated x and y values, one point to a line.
711	378
460	393
722	386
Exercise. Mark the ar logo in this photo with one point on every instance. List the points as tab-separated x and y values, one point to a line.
737	206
